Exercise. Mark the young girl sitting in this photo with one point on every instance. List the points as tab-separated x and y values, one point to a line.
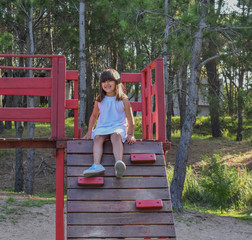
115	122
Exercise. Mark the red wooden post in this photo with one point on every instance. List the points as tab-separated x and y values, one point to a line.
144	104
160	103
61	76
54	97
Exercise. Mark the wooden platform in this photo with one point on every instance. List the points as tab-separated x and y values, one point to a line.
109	211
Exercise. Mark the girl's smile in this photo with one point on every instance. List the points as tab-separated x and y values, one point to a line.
109	87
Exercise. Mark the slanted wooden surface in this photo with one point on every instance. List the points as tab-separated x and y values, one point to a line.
109	211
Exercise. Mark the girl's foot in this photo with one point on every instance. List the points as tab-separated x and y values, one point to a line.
120	168
94	170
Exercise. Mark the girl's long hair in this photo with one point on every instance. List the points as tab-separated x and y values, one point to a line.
111	74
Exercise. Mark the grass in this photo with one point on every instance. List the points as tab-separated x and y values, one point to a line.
241	214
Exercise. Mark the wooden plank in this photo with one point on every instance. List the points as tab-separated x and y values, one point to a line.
27	143
26	92
26	83
25	114
87	160
86	146
119	218
121	231
130	171
134	182
117	194
136	106
71	104
111	206
130	77
72	75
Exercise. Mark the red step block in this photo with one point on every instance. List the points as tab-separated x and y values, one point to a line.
149	204
143	158
96	181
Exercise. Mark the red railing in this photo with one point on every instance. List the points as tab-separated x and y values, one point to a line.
54	87
149	88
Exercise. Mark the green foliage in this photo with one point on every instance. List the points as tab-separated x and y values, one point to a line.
228	125
226	186
5	41
217	185
219	182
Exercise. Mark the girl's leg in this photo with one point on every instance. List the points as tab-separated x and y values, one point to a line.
117	145
98	148
96	169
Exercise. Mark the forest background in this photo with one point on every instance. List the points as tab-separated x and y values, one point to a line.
197	39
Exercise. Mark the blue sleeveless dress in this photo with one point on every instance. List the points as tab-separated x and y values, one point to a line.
112	118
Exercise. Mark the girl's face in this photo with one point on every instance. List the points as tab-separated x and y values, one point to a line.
109	87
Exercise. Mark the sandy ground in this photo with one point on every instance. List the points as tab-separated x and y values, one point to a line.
28	223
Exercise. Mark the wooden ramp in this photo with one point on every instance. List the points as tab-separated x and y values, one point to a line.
109	211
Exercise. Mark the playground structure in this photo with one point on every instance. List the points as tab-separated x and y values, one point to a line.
145	183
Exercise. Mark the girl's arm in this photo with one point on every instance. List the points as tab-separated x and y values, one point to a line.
92	121
129	115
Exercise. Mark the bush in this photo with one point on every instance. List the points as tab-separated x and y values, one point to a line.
226	187
217	185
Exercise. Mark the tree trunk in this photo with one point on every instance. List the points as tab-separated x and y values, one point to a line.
29	180
183	94
166	75
240	105
178	180
214	92
82	92
90	89
169	103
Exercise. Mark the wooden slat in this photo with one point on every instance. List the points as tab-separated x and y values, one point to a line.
27	143
111	206
72	104
26	114
25	83
119	218
26	92
130	77
136	106
117	194
108	160
26	86
86	146
134	182
72	75
121	231
130	171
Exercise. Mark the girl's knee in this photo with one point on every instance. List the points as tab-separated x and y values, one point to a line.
99	138
116	137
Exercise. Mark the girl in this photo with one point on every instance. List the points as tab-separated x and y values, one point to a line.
115	122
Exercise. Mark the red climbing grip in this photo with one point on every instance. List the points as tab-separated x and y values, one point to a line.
138	158
149	204
82	181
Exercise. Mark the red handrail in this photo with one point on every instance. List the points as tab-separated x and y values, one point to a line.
148	90
54	87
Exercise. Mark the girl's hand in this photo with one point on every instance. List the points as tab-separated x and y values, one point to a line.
87	136
130	139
